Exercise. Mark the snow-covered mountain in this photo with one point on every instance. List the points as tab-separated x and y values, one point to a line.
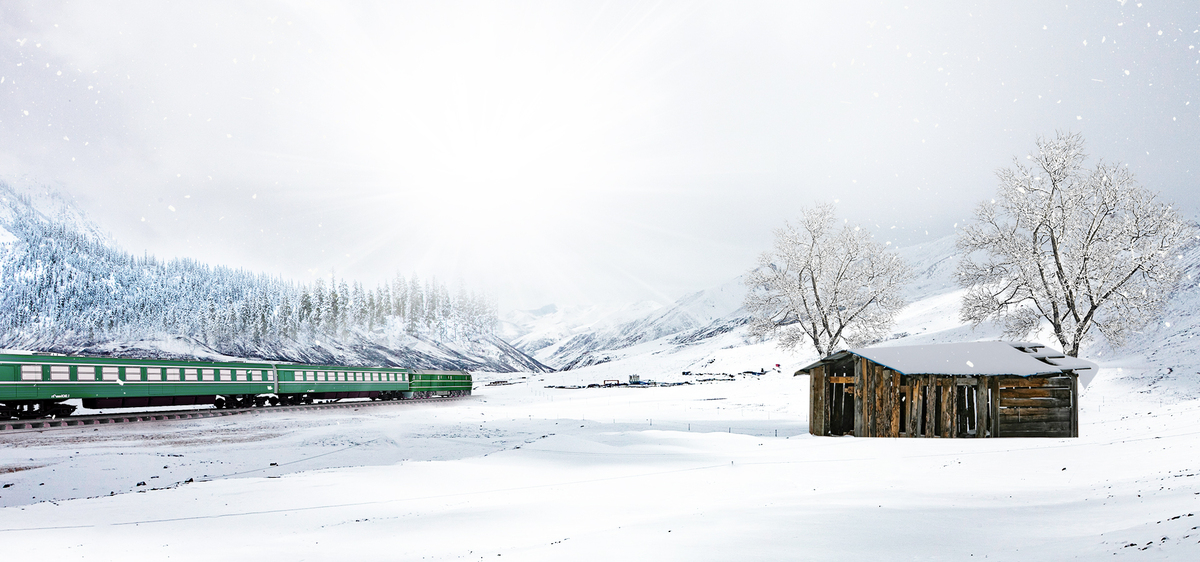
534	330
66	287
577	338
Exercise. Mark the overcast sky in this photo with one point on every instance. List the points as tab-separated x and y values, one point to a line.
569	152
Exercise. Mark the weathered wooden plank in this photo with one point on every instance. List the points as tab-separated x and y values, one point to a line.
994	407
1006	402
1074	405
1027	382
816	401
932	407
981	409
1009	415
912	423
858	397
881	395
896	402
1009	429
1044	392
868	399
948	409
885	402
840	380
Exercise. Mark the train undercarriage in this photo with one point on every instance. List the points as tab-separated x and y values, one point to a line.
49	409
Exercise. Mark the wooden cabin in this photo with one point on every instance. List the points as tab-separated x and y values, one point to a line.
977	389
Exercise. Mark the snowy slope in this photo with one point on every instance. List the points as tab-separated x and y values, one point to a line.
534	330
67	288
697	316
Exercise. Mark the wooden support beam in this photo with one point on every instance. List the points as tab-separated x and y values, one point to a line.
994	403
817	412
858	397
952	409
1074	405
894	406
981	408
1028	382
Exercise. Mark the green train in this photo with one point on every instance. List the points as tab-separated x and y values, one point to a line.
38	385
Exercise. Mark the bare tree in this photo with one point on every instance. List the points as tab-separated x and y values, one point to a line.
825	285
1074	247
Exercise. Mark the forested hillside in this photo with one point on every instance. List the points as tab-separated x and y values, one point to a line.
65	287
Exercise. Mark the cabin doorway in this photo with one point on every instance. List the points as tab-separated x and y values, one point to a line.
839	395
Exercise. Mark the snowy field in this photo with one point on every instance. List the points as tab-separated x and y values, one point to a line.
713	471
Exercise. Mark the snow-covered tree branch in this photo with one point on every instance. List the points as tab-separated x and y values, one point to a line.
1073	247
825	285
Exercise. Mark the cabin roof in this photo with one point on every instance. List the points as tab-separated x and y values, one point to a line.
988	358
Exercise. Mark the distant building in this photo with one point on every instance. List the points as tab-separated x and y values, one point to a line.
978	389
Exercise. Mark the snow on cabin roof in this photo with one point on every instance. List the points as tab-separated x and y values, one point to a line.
973	358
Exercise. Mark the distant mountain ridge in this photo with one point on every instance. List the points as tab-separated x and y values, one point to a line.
694	317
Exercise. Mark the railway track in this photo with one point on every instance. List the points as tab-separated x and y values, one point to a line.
40	425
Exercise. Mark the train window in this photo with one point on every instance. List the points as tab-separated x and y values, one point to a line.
270	375
156	374
60	372
31	372
308	376
239	375
256	375
108	373
226	375
133	374
190	374
207	374
173	373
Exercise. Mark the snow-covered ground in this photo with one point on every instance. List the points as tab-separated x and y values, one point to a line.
712	471
705	471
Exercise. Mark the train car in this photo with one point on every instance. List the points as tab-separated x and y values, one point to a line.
37	385
428	384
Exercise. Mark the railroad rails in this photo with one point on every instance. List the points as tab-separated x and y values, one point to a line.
37	386
122	418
